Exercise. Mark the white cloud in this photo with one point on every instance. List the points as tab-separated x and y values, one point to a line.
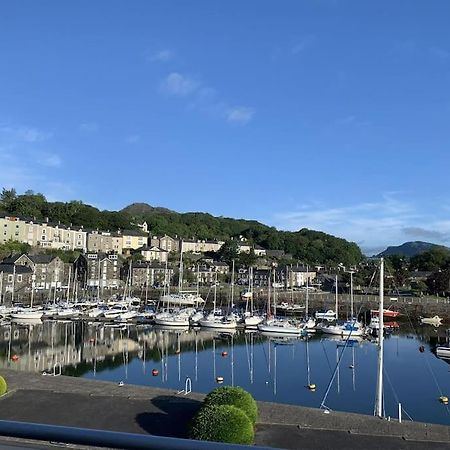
132	139
88	127
440	53
25	133
204	98
303	44
161	56
372	225
179	85
49	160
240	115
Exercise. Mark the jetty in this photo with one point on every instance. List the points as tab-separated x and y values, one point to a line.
86	403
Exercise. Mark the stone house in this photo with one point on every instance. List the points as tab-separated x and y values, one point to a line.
48	271
104	242
11	229
99	270
166	243
200	246
15	282
298	275
154	254
144	273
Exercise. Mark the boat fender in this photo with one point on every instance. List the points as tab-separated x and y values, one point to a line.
224	354
120	383
311	387
155	372
421	349
177	351
443	399
219	380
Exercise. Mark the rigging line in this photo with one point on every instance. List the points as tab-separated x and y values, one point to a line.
326	356
385	372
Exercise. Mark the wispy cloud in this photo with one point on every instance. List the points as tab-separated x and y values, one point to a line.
133	139
440	53
303	44
423	233
373	225
204	98
240	115
179	85
25	133
49	159
89	127
347	120
164	55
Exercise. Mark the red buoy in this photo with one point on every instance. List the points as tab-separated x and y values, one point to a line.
14	358
224	354
421	349
155	372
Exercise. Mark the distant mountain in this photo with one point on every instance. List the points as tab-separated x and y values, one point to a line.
410	249
139	209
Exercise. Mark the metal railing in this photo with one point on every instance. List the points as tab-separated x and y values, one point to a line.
110	439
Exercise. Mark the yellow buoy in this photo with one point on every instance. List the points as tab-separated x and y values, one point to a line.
312	387
219	379
443	399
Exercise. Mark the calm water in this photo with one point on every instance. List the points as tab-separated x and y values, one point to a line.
271	369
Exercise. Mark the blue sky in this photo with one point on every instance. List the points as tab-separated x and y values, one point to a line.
327	114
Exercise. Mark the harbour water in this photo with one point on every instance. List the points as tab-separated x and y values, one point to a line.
272	369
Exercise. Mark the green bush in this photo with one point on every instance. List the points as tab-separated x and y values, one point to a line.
3	386
235	396
222	423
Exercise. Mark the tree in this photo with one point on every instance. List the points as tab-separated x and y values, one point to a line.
7	197
439	282
229	251
12	248
247	259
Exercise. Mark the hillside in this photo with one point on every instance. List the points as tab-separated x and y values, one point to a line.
308	246
410	249
138	209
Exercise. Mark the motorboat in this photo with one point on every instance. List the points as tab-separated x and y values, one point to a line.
386	313
325	314
436	321
279	326
443	352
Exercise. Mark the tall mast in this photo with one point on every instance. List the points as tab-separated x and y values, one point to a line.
33	277
379	397
232	283
336	297
68	284
13	283
180	275
307	292
1	287
215	293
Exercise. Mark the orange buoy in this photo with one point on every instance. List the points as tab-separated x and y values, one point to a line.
155	372
421	349
14	358
224	354
219	380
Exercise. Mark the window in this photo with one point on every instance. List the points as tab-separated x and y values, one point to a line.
19	278
10	278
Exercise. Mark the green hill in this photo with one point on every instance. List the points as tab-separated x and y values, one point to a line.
410	249
313	247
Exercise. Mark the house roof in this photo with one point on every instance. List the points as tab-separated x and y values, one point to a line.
133	233
9	268
11	259
42	258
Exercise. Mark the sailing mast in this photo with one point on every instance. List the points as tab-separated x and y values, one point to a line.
336	297
379	398
307	292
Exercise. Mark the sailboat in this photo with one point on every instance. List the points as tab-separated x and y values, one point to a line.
218	321
309	323
275	325
251	318
29	313
350	327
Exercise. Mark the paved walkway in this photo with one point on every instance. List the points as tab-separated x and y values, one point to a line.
86	403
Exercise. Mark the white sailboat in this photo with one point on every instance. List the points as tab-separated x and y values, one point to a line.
251	318
275	325
214	321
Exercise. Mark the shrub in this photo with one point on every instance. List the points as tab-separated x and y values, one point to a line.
3	386
235	396
222	423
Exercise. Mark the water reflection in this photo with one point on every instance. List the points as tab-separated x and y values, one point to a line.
273	368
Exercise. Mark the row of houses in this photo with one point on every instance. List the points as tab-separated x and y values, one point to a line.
20	274
48	235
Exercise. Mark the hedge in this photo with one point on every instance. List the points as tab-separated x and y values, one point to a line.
222	423
3	386
234	396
